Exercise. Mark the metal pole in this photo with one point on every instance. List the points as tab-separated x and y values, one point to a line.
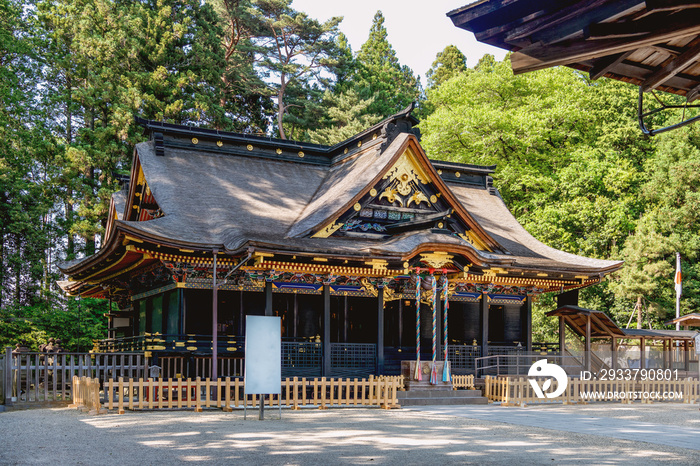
679	289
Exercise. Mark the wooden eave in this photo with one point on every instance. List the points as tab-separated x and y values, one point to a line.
689	320
654	44
601	325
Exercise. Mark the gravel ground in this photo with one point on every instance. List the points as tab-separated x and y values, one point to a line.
347	436
676	414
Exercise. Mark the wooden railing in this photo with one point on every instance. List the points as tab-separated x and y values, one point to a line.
510	391
229	393
46	377
463	381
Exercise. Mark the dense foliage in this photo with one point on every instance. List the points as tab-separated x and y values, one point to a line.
571	161
576	171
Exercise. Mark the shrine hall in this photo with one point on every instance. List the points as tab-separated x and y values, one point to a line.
369	251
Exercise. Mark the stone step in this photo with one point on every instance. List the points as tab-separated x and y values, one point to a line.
438	394
467	400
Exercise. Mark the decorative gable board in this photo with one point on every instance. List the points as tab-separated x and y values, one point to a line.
406	198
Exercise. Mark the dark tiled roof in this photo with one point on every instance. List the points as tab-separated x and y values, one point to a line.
654	333
343	182
493	215
232	196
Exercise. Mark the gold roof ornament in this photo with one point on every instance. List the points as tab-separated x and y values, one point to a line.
436	259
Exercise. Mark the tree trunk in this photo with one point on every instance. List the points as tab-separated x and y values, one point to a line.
639	311
18	271
2	265
70	242
280	105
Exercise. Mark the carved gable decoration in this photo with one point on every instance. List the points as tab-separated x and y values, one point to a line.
142	205
406	198
404	182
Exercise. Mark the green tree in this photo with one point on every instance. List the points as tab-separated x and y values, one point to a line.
160	60
448	64
670	224
26	174
346	116
570	158
245	99
570	176
295	51
380	75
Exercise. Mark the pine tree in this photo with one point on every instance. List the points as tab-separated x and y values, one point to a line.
380	75
295	50
245	105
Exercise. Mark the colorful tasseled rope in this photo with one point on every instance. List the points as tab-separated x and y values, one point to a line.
446	376
417	375
433	370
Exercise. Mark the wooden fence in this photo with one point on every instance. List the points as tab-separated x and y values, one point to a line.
86	395
229	393
48	377
510	391
463	381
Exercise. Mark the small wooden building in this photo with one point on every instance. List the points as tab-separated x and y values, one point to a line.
356	246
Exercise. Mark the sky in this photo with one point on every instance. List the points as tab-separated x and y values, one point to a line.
416	30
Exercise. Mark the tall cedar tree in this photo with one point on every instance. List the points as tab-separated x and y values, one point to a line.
110	61
448	64
380	75
25	168
296	50
346	116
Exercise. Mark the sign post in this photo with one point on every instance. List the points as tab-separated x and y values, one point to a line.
263	360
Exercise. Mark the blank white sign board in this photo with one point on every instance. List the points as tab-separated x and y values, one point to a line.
263	355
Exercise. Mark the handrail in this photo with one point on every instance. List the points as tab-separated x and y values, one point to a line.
522	363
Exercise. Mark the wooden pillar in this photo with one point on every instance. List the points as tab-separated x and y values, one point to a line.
182	312
400	323
345	320
642	353
296	315
268	298
613	348
215	323
241	317
326	340
528	323
380	330
562	336
686	356
587	348
484	324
